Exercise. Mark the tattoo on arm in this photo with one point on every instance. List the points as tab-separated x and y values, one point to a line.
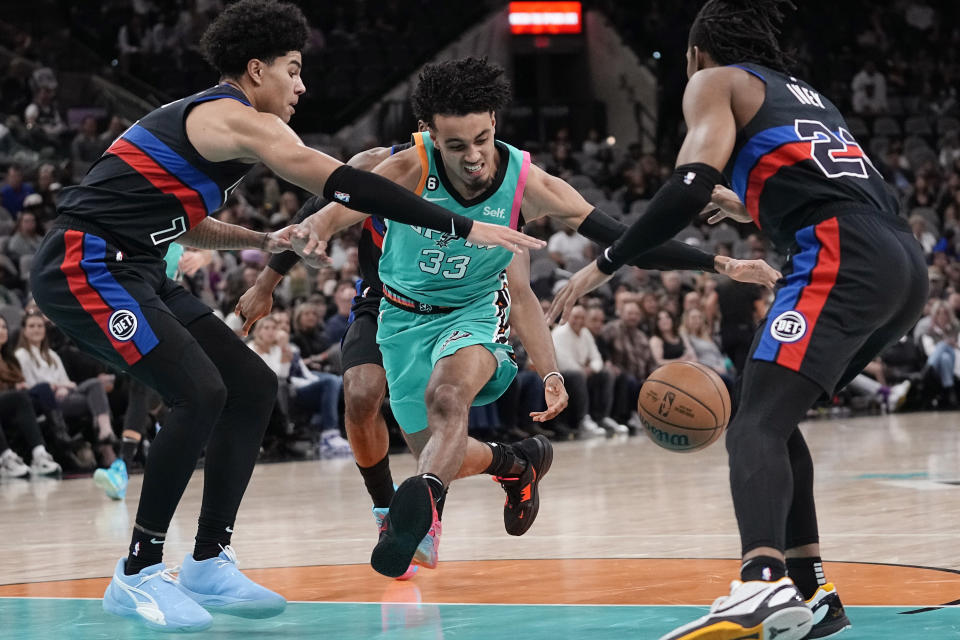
213	234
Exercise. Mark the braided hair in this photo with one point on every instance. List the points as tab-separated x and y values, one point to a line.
742	31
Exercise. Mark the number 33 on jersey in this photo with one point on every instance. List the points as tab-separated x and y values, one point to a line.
442	269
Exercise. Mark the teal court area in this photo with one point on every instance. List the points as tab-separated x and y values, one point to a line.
83	619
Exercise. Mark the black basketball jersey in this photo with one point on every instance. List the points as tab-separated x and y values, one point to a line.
151	185
796	160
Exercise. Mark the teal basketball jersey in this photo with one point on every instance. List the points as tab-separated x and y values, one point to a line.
441	269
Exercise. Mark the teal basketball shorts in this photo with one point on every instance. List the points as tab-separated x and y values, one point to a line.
413	343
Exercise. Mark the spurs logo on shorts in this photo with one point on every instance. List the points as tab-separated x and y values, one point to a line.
122	324
789	326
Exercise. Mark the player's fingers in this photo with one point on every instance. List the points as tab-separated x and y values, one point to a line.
716	217
518	239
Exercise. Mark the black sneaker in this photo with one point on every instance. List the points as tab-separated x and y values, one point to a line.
411	515
523	499
829	618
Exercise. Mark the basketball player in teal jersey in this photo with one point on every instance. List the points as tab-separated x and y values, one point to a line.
443	321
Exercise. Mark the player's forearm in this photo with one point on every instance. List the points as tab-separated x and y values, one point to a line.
672	254
528	321
672	208
269	278
213	234
376	195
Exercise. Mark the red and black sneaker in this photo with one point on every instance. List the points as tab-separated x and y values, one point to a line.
523	498
411	515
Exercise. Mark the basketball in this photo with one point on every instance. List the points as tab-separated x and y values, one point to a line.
684	406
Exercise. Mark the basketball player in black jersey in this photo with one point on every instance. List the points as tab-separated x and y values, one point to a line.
856	282
99	276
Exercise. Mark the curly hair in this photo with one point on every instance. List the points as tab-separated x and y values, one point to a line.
459	87
741	31
262	29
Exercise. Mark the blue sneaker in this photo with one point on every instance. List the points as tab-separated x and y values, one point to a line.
154	597
217	585
113	480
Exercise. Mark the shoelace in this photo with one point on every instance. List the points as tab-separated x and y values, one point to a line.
167	575
231	556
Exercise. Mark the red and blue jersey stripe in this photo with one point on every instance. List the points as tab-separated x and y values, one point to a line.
168	171
376	227
100	295
807	288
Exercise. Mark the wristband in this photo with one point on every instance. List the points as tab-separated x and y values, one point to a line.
554	373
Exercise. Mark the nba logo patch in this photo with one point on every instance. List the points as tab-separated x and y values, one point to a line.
341	196
122	325
789	326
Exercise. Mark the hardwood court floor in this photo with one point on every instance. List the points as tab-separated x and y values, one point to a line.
622	523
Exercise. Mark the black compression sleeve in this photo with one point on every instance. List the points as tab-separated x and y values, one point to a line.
674	206
283	262
373	194
672	254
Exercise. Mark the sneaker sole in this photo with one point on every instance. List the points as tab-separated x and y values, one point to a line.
102	480
835	628
394	552
545	464
787	624
111	607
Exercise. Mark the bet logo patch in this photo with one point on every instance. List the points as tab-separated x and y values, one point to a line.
123	324
789	326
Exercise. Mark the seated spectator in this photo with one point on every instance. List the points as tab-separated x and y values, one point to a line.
336	325
26	237
86	148
567	247
309	335
42	116
16	414
14	190
589	385
666	344
631	362
869	90
705	349
41	365
939	342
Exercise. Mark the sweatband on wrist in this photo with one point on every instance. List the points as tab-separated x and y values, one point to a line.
673	207
554	373
370	193
672	254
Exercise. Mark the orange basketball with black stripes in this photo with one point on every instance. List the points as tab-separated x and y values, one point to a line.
684	406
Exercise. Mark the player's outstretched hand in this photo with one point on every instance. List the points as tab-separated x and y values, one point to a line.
556	396
724	203
495	234
310	244
279	241
582	283
753	271
255	303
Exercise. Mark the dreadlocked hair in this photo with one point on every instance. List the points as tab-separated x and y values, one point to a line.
742	31
458	88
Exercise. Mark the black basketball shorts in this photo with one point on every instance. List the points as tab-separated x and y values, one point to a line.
104	300
853	285
359	345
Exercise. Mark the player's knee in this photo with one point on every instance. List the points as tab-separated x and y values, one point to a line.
446	401
362	398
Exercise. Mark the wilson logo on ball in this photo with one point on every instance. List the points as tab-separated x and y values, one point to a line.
122	324
789	326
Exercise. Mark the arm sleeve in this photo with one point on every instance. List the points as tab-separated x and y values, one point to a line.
672	209
672	254
370	193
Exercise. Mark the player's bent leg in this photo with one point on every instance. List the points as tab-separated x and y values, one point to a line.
454	383
364	387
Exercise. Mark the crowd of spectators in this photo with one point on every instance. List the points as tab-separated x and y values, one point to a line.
61	408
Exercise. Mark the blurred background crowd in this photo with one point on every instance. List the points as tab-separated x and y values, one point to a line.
892	68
